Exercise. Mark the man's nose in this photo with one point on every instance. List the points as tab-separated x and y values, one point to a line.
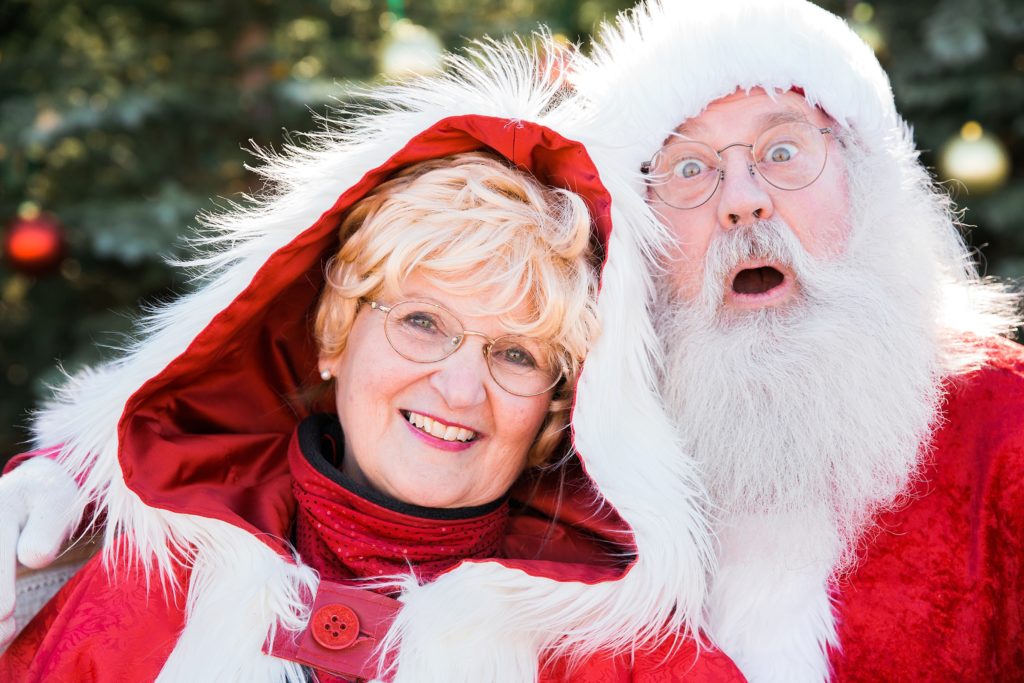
461	378
744	193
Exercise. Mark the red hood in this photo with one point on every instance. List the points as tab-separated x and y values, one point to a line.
208	434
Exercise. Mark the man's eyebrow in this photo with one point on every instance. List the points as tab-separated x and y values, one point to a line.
776	118
692	129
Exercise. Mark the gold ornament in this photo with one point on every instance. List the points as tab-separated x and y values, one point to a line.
976	158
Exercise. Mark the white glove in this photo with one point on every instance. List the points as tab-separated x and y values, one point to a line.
38	512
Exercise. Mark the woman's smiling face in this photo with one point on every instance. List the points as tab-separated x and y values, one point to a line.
392	411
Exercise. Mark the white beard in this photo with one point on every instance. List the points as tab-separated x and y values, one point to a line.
806	421
818	407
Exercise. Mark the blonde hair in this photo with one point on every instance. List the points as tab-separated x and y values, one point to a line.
469	223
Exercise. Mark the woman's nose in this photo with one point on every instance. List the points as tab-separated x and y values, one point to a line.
461	378
745	196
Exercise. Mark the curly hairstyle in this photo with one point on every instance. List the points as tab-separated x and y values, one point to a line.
470	223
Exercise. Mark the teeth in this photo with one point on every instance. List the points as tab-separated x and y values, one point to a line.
441	431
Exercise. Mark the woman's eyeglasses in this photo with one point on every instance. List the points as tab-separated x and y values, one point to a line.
427	333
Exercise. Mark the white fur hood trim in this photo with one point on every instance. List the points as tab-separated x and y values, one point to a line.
481	621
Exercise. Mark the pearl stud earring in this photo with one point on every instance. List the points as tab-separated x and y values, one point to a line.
325	375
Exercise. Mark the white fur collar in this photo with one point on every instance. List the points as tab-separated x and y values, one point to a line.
769	608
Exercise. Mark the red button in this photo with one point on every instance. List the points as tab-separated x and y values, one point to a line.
335	627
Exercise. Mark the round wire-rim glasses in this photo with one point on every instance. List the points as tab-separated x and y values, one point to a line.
425	332
789	156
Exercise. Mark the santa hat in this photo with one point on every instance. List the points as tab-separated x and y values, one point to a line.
664	61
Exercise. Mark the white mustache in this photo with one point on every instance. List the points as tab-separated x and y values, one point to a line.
770	240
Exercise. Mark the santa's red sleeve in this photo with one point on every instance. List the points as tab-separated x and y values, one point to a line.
939	592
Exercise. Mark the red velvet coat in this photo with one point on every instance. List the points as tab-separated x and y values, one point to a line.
114	625
939	595
103	630
110	625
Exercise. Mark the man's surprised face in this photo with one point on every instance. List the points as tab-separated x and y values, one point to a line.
818	214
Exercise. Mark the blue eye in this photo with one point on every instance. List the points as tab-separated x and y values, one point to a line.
782	153
422	321
689	168
519	356
512	355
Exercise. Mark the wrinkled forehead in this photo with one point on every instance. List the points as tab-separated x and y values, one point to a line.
745	113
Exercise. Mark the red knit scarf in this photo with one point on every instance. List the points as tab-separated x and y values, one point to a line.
345	531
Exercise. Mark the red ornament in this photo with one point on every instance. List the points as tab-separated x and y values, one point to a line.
35	245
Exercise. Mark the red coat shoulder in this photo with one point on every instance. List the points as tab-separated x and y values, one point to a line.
980	441
939	590
101	627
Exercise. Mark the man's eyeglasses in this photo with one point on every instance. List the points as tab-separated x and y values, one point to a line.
427	333
789	156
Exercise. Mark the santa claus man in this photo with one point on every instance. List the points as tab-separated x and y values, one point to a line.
832	360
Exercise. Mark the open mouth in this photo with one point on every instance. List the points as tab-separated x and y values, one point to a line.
757	280
438	429
760	284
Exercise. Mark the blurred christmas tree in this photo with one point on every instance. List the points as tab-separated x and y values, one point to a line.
958	73
120	120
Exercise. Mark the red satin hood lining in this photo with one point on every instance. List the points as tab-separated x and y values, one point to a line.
213	427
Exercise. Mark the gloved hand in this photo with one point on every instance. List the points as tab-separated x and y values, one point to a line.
38	512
